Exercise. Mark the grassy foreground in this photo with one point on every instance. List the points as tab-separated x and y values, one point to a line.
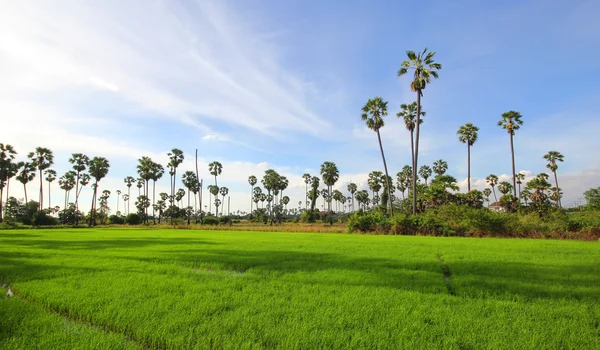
136	288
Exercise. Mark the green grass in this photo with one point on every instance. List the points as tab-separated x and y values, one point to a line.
136	288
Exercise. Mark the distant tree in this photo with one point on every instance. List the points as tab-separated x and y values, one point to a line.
314	192
511	122
330	175
520	177
374	182
285	200
129	181
424	67
176	157
538	187
440	166
372	113
468	134
66	183
492	180
553	157
179	196
26	174
41	159
224	192
190	181
156	173
409	113
487	192
592	196
252	181
8	169
504	187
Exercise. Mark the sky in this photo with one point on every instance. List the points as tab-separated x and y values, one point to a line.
280	84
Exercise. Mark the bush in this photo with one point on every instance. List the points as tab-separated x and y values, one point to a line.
224	220
133	219
116	220
210	220
368	222
40	218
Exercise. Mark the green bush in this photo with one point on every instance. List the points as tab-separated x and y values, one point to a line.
224	220
40	218
116	220
368	222
210	220
133	219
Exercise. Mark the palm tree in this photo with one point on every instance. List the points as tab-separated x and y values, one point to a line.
144	169
179	196
215	168
42	159
553	157
504	187
520	177
118	197
511	122
98	168
492	180
401	182
156	173
252	181
374	181
373	112
175	159
352	188
26	175
285	200
487	192
468	134
50	177
306	177
330	175
79	162
139	185
425	172
409	113
67	182
214	190
129	180
7	170
190	181
439	167
424	68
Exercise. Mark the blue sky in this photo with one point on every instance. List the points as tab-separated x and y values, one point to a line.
280	84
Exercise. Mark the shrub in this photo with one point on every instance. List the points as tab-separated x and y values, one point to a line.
368	222
210	220
116	220
40	218
133	219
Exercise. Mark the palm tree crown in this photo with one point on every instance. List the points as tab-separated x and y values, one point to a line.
467	134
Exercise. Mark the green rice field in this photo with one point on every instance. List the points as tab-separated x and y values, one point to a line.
187	289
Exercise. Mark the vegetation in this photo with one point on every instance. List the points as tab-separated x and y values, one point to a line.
139	288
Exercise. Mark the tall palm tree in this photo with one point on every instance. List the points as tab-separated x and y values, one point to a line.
492	180
439	167
511	122
373	112
425	172
504	187
175	159
468	134
330	175
424	68
118	197
553	157
352	188
144	168
50	177
224	192
129	181
190	181
487	192
42	159
79	162
409	113
26	174
252	181
374	181
215	168
67	182
98	169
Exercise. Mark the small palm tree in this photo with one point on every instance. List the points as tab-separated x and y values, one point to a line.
26	174
176	157
424	68
511	122
439	167
42	159
409	113
330	175
98	169
352	188
79	162
553	157
373	112
306	177
190	181
468	134
252	181
425	172
50	177
118	197
224	192
129	181
487	192
492	180
520	177
504	187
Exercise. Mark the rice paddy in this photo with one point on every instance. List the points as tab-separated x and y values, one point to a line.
185	289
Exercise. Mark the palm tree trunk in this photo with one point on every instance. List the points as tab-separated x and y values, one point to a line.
77	192
468	167
387	178
153	197
512	151
93	211
251	192
188	206
416	153
25	189
49	197
558	202
496	198
65	199
1	195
